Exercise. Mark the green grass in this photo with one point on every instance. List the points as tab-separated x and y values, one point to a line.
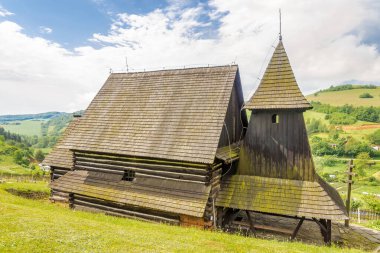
26	127
338	98
10	168
39	226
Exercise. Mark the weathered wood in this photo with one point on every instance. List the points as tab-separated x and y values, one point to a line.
124	211
251	224
71	200
295	232
277	150
349	185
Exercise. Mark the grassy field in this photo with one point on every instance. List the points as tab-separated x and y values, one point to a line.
39	226
337	98
25	127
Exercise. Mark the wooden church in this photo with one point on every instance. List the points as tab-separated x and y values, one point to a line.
175	146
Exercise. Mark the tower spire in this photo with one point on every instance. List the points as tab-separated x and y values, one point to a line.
280	35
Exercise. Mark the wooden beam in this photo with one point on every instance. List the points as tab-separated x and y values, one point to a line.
251	224
328	233
325	226
297	228
71	200
229	216
321	226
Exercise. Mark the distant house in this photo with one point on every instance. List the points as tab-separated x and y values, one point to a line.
175	146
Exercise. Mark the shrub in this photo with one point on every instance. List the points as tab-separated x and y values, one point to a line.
372	202
340	118
356	204
39	156
366	95
329	161
375	137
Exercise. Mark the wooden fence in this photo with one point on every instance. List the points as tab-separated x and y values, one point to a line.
364	215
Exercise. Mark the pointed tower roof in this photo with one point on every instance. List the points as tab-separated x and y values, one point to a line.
278	88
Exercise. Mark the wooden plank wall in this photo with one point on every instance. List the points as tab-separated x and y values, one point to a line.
277	150
235	118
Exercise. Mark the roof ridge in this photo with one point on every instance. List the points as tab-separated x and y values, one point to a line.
175	69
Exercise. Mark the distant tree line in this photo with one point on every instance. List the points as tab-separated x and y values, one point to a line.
348	87
347	114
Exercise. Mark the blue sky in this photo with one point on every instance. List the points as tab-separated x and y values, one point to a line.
57	54
72	21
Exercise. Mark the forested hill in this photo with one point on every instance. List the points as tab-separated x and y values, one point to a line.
45	115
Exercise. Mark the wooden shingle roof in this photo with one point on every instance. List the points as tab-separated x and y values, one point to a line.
169	196
299	198
278	88
62	157
229	153
169	114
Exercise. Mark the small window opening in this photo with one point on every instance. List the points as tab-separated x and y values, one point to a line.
275	119
129	175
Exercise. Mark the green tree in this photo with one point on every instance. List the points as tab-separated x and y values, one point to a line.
375	137
362	160
372	202
39	156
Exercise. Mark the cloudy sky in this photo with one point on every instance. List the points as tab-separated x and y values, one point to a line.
55	55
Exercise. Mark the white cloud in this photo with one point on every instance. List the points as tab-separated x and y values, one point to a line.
4	12
38	75
45	30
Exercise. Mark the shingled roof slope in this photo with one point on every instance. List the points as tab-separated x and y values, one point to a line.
169	196
278	88
281	196
169	114
62	157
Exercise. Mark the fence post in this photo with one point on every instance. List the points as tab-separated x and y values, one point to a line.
349	184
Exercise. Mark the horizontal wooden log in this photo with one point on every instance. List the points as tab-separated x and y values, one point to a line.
101	166
144	160
156	166
124	211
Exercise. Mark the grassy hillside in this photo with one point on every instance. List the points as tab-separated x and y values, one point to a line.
24	127
39	226
351	97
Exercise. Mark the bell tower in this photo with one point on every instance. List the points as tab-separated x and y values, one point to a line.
276	143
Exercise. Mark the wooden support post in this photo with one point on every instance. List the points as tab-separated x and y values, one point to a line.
328	233
51	174
349	184
297	228
219	217
325	226
71	200
229	216
251	224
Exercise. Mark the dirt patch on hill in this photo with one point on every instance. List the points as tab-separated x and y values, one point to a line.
28	193
361	127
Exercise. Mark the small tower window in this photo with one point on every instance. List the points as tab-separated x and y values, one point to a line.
129	175
275	119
